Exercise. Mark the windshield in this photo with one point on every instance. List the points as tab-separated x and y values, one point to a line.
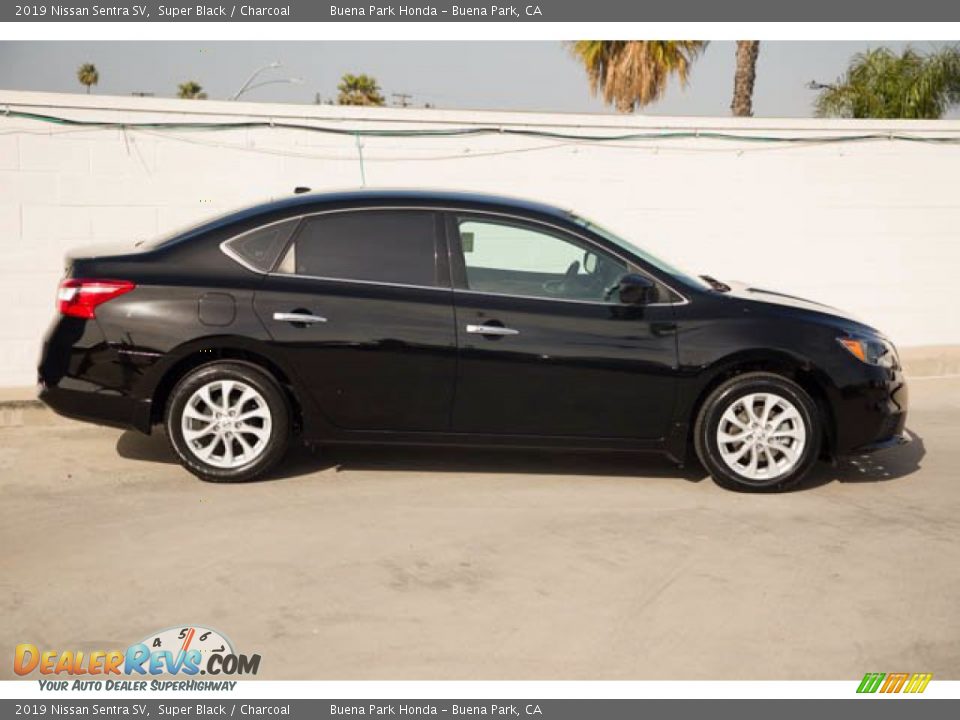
630	247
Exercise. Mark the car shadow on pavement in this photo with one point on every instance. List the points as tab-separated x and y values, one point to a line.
891	464
884	465
301	460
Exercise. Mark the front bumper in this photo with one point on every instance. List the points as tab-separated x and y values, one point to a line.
871	413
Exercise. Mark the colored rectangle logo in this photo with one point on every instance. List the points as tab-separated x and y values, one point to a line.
892	683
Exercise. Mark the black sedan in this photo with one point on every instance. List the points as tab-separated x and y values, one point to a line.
444	318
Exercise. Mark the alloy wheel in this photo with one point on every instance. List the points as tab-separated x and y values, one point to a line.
761	436
226	424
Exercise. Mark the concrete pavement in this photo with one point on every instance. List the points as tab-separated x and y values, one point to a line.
426	564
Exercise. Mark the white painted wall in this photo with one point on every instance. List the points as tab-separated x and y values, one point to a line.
873	227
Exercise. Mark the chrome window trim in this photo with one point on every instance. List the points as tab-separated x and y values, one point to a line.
568	300
230	253
439	208
362	282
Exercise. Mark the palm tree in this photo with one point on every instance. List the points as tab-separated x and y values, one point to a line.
880	83
191	90
87	75
359	90
632	74
744	77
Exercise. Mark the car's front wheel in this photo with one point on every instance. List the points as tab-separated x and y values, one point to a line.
758	431
228	422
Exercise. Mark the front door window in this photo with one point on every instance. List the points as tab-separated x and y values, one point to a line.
504	258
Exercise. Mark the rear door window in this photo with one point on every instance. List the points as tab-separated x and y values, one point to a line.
386	246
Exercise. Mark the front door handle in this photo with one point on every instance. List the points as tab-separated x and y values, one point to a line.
491	330
298	317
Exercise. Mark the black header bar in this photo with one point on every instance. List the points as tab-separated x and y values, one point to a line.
472	11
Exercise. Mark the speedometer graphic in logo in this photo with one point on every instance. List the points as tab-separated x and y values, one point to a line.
183	639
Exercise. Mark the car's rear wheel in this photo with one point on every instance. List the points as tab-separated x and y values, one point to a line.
758	431
228	422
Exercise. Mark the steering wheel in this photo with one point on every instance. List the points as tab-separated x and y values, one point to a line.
556	287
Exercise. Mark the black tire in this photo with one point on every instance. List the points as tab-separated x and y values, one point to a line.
725	395
277	435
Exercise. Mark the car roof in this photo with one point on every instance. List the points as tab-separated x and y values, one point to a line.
311	200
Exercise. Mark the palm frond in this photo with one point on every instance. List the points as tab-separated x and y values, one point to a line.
879	83
632	74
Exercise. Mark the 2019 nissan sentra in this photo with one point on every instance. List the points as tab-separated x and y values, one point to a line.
443	318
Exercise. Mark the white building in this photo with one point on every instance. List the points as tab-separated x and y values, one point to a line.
872	226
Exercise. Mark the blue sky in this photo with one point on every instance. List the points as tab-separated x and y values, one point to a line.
485	75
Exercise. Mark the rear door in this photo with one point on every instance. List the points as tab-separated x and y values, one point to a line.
545	349
361	304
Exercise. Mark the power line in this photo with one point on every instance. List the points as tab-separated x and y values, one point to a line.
490	130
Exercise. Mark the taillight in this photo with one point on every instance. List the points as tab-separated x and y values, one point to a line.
80	298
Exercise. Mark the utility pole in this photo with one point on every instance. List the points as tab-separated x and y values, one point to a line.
402	99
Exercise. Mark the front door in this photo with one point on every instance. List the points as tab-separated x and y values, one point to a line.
362	307
545	348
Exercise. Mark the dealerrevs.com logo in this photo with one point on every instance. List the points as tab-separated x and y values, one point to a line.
191	650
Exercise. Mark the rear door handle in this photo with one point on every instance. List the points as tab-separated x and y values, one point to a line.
491	330
297	317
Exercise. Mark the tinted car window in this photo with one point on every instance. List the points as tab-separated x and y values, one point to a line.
261	247
514	259
394	246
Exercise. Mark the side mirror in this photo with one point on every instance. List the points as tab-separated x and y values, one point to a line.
635	289
590	262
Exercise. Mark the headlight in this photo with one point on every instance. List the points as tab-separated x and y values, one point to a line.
872	351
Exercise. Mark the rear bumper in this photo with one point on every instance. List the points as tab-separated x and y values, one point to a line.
100	408
78	375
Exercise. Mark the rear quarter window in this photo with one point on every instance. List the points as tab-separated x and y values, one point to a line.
260	248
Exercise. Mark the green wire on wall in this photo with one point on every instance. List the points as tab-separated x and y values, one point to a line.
358	134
